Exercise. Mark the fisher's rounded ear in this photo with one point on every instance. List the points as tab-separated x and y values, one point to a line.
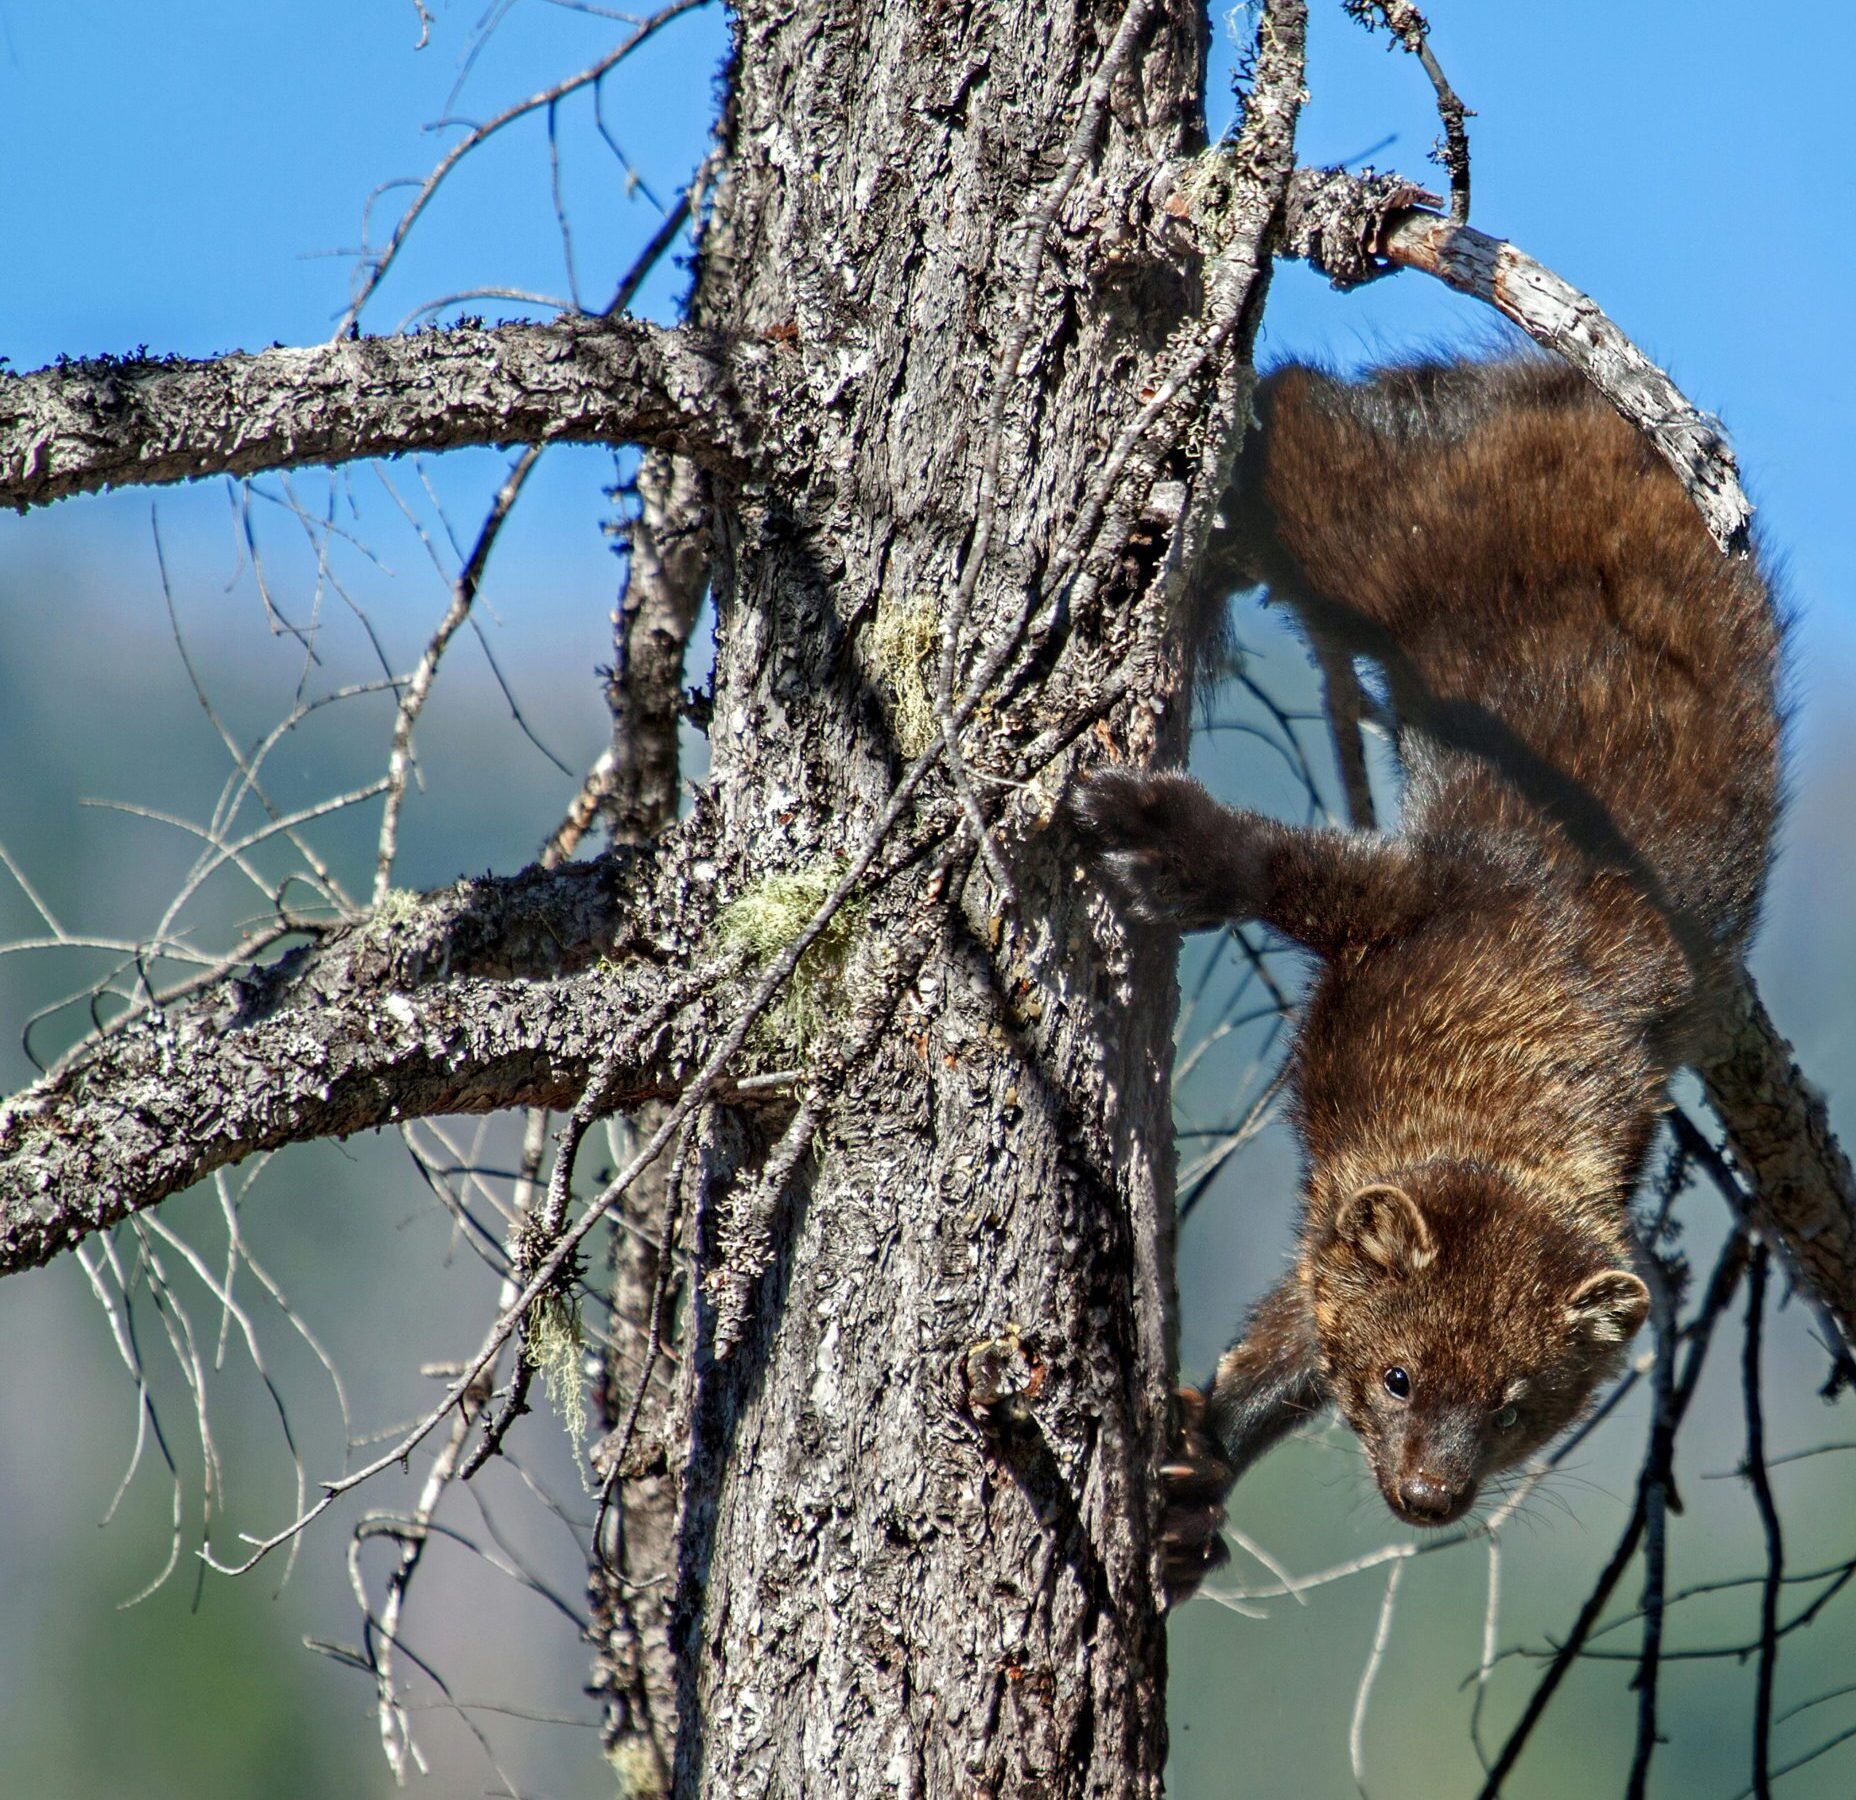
1608	1307
1386	1226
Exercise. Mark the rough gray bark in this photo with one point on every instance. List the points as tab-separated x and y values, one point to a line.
83	426
1799	1179
665	584
629	1562
637	791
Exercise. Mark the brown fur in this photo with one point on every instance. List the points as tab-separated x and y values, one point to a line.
1584	690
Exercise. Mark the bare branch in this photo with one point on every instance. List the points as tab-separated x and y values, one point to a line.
1761	1485
375	266
411	1534
1728	1271
412	701
1803	1192
1382	1632
493	993
1656	1499
79	427
1355	227
1410	28
1556	314
636	783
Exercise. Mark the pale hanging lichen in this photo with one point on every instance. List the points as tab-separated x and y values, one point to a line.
636	1768
395	907
905	646
556	1351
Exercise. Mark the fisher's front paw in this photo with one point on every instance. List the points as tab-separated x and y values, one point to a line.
1167	851
1196	1479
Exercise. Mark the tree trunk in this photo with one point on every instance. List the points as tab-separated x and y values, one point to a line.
929	1366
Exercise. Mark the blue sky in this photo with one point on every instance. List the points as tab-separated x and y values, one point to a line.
182	174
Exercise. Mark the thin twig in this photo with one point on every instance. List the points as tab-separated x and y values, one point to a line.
1810	1756
246	767
412	1535
426	309
1485	1663
533	1231
1655	1498
1769	1523
412	699
1382	1633
612	1455
377	266
222	1292
1837	1575
1408	25
1728	1269
650	256
560	203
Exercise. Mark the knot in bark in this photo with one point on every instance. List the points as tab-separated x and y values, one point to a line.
1339	221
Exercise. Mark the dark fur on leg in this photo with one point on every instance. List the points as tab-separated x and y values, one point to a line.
1267	1383
1170	852
1172	855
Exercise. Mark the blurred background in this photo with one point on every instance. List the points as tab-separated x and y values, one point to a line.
197	177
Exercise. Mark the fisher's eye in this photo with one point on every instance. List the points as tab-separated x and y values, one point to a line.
1505	1418
1398	1384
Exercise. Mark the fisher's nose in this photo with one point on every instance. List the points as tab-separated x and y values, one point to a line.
1425	1498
